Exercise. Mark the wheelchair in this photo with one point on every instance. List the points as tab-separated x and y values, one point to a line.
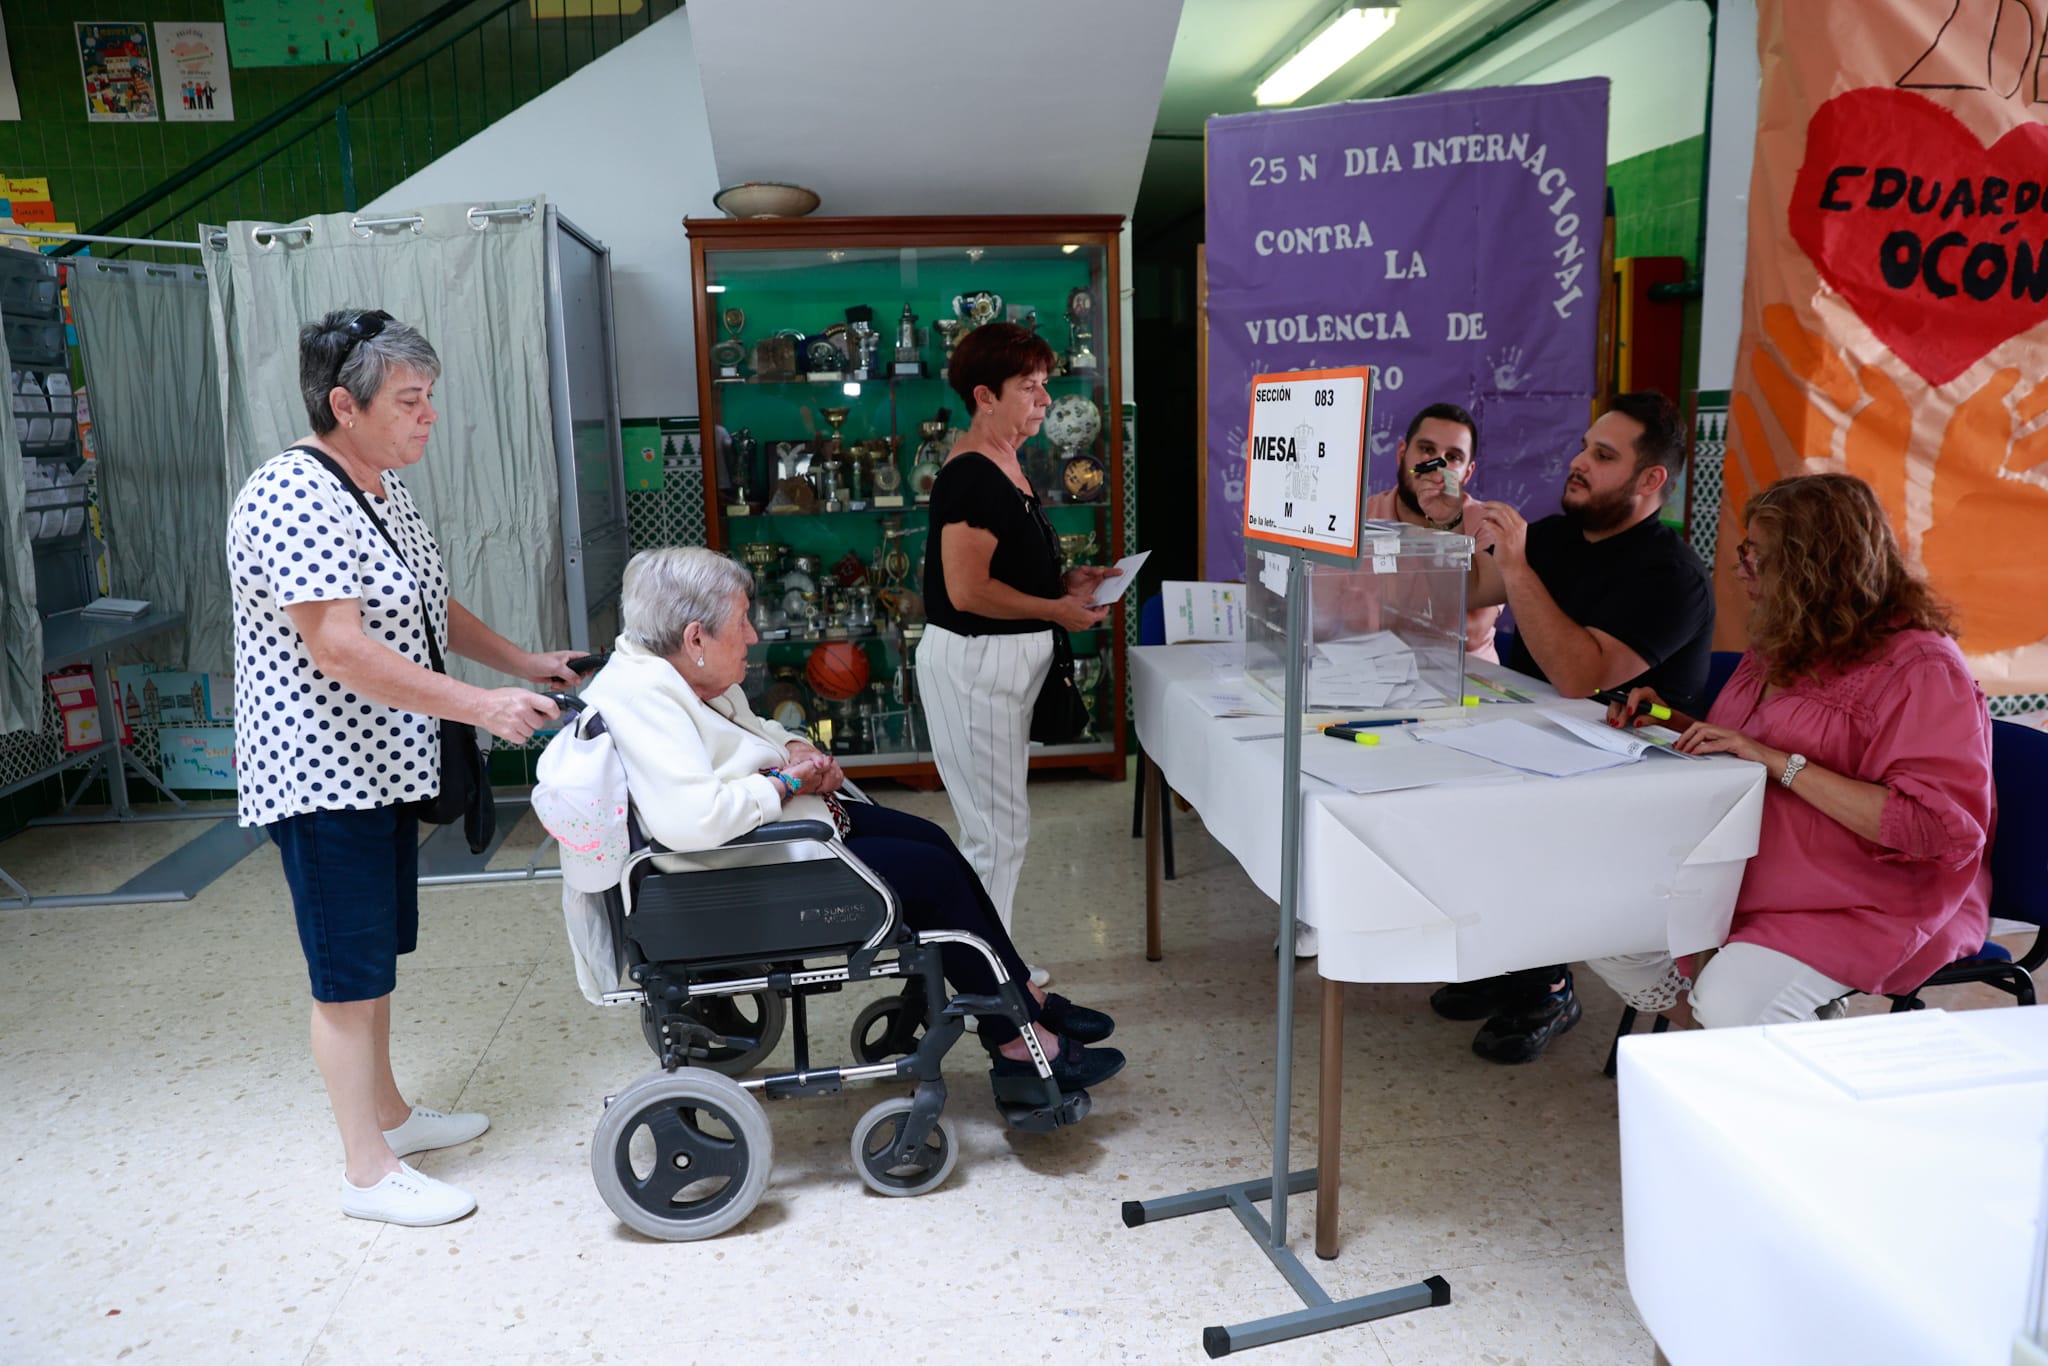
722	955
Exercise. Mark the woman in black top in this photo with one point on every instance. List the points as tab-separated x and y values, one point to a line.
993	596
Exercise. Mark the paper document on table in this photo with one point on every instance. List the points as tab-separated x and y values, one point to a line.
1363	647
1123	574
1874	1056
1527	748
1633	743
1234	697
1227	659
1395	763
1202	611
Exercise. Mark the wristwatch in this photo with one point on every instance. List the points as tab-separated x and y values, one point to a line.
1792	767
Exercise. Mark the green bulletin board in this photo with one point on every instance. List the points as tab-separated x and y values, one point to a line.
299	32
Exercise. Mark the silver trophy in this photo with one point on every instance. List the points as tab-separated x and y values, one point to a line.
909	364
1080	356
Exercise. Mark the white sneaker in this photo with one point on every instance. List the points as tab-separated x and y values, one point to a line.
424	1129
1040	978
407	1197
1306	942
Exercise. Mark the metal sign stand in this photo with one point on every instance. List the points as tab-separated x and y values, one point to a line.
1321	1313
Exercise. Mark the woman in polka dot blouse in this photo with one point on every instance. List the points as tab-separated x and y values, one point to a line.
336	735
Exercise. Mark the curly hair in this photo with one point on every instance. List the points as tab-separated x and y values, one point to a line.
1836	585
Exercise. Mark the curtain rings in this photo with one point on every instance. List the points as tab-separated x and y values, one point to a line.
481	218
362	227
273	232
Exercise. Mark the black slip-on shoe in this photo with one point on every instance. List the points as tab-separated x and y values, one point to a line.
1074	1068
1078	1023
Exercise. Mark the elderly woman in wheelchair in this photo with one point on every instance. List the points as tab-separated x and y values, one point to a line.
750	857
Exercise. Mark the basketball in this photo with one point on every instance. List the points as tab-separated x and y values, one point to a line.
837	670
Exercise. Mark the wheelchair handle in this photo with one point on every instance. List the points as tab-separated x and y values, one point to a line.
785	832
567	701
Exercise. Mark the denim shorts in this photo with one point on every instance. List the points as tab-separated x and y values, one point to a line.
354	878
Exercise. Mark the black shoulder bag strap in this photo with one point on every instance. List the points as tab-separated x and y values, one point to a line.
363	501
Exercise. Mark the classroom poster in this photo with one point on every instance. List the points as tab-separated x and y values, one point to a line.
198	758
195	71
300	32
1895	309
120	78
1451	241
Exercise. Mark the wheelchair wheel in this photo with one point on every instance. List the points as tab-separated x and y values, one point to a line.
887	1028
682	1155
876	1134
750	1025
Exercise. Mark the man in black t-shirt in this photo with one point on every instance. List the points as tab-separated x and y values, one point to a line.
1604	595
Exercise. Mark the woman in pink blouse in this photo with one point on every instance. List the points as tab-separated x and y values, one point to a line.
1871	868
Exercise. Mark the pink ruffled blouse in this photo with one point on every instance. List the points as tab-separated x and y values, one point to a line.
1880	917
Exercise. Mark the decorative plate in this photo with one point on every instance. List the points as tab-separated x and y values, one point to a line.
1073	422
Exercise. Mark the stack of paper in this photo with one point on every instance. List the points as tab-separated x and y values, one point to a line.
1366	672
1527	748
115	607
1629	744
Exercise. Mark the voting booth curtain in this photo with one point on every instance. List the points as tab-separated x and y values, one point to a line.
147	343
21	698
475	288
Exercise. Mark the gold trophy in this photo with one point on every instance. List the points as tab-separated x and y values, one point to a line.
949	333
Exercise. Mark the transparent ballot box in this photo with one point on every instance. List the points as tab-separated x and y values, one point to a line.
1383	637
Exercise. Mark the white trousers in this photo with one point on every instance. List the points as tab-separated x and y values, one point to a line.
978	692
1743	984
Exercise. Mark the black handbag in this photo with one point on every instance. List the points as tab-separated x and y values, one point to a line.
1060	715
465	793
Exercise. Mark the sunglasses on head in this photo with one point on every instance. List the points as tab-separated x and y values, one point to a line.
360	329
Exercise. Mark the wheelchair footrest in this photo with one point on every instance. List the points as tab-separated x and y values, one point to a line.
979	1005
1043	1119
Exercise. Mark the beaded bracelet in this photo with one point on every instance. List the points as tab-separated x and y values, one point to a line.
794	784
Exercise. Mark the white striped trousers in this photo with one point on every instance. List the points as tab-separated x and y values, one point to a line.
978	693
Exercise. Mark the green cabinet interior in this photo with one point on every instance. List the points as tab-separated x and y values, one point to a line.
806	290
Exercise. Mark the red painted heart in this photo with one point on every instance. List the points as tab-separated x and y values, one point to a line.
1939	243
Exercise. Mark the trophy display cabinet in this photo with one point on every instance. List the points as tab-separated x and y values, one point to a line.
822	346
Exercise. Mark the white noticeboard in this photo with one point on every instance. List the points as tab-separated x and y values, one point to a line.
1305	460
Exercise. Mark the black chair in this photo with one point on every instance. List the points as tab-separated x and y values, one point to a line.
1152	631
722	947
2019	870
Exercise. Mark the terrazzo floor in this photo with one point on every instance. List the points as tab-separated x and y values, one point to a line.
170	1165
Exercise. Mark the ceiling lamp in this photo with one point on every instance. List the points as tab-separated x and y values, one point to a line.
1349	32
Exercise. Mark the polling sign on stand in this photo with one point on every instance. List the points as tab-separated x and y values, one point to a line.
1304	500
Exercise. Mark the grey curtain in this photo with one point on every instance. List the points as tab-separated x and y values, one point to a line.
21	680
146	335
476	289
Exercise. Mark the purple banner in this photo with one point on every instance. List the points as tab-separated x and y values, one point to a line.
1451	240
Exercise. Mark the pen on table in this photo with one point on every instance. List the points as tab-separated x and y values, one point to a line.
1360	737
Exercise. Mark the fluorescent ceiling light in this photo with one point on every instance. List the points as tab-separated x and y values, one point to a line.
1353	30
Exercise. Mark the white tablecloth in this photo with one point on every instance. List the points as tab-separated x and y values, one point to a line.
1770	1217
1457	882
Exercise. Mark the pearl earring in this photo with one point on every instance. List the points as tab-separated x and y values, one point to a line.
351	424
700	661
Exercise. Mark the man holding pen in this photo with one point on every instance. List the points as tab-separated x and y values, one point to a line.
1604	596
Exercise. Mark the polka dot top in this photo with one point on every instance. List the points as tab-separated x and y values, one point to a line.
304	742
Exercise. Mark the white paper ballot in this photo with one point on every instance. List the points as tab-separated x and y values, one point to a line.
1527	748
1126	574
1634	744
1203	611
1904	1054
1396	762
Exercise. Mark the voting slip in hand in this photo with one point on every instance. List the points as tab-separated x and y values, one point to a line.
1121	577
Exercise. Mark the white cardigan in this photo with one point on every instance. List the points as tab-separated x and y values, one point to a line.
693	767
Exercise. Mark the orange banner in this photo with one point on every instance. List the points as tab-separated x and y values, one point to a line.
1895	309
